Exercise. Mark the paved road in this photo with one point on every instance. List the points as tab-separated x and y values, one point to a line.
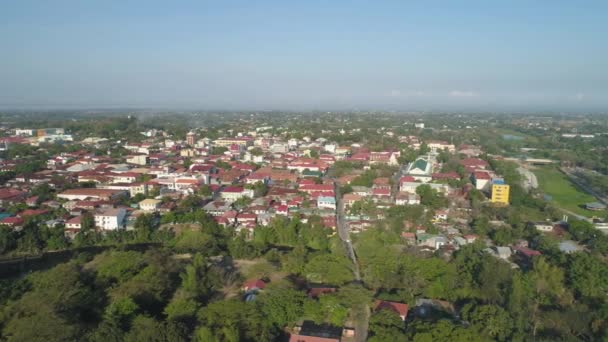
361	326
344	233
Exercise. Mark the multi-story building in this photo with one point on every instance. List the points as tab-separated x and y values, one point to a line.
190	138
500	192
110	219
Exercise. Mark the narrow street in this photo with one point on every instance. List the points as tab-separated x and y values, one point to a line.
344	234
362	325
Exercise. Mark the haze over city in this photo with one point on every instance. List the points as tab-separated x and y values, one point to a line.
387	55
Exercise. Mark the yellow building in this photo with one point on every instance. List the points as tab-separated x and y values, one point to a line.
500	193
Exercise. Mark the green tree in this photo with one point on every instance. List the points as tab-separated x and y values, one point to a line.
8	239
587	275
329	269
386	325
198	280
491	320
282	306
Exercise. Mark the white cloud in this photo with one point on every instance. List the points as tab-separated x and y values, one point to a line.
461	93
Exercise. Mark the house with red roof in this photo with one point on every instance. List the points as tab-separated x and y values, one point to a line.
381	183
254	284
9	196
310	188
527	252
311	332
74	223
381	195
384	157
314	291
32	212
13	221
445	176
350	199
282	210
32	201
246	217
482	180
257	178
327	158
474	164
359	157
399	308
309	164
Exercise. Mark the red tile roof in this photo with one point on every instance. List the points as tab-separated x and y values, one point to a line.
474	162
381	192
316	187
446	175
12	221
481	175
254	283
399	308
234	189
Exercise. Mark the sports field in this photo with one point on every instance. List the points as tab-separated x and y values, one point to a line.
564	194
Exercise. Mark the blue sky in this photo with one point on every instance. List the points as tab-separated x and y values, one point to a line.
434	55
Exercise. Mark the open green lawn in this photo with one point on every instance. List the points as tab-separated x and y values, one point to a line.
563	192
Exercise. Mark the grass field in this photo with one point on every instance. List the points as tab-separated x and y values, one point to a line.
563	192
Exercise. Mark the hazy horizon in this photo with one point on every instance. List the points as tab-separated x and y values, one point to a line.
274	55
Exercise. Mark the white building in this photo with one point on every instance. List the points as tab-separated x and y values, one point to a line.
543	226
408	186
481	180
138	159
25	132
233	193
326	202
110	219
436	146
150	204
421	170
407	198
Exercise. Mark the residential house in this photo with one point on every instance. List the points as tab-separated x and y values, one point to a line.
481	179
217	208
253	284
10	196
407	198
545	227
399	308
430	240
311	332
500	252
13	221
350	199
84	193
